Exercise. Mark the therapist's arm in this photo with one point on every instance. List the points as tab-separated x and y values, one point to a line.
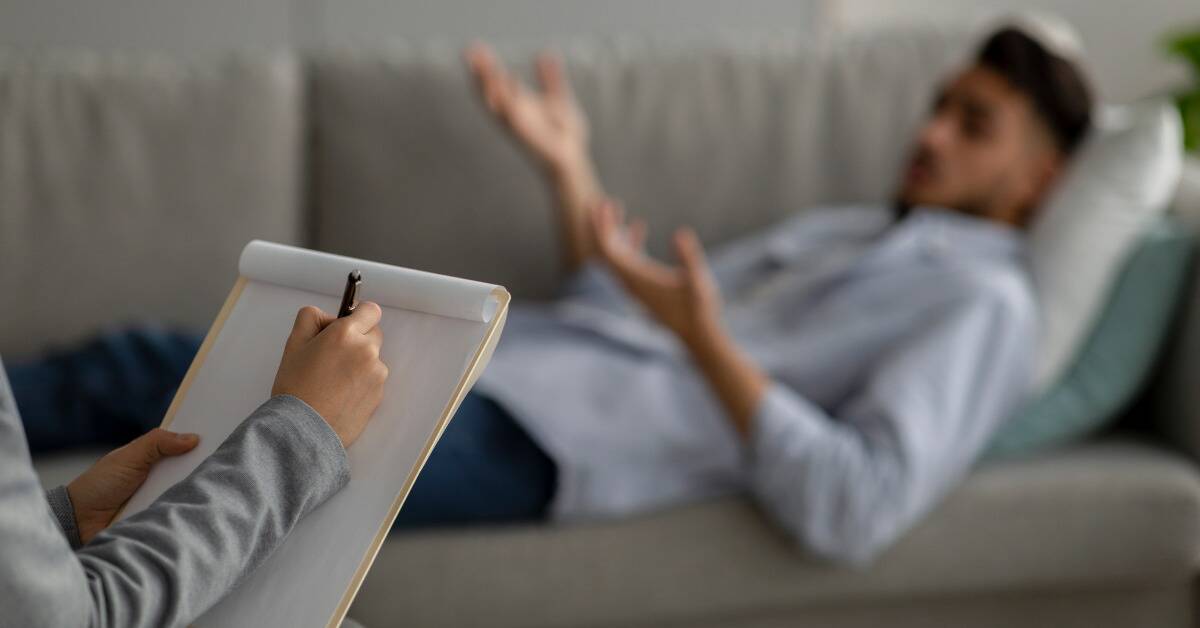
169	563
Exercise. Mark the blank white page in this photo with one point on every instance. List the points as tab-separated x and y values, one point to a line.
311	578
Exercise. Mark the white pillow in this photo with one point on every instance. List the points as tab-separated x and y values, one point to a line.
1122	177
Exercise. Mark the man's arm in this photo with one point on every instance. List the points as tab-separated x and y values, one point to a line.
550	125
849	485
846	486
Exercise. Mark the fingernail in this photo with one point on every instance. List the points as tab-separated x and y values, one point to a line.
188	437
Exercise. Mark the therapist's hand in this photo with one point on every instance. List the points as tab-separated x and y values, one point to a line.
333	365
103	489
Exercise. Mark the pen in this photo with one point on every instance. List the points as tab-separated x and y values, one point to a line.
348	296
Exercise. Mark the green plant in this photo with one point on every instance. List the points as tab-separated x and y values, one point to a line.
1186	46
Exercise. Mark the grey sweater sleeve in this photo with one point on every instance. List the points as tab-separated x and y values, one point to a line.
169	563
64	514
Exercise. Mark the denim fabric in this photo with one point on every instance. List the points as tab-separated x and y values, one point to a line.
485	469
105	392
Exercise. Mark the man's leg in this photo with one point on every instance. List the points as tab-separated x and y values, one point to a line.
109	391
485	469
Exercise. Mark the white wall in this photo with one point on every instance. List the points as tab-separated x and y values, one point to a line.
202	26
1122	37
543	20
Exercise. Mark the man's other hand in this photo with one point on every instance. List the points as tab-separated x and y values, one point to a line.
333	365
683	298
100	492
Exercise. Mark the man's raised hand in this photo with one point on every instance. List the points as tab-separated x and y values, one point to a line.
683	298
546	120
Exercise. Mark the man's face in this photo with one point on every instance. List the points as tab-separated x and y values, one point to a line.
982	151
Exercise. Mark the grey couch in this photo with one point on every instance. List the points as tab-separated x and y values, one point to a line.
128	186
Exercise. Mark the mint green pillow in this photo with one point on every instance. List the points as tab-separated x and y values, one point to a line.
1115	360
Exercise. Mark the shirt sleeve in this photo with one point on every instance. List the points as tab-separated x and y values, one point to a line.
169	563
846	486
593	283
64	514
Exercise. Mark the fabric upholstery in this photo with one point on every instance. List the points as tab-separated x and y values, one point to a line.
1175	394
1119	353
1094	516
1119	181
1083	537
128	186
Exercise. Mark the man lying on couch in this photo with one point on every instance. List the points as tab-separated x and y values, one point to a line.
844	368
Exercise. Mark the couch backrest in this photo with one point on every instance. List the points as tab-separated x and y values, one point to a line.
408	168
128	186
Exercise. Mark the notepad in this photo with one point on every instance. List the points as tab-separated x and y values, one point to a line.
439	333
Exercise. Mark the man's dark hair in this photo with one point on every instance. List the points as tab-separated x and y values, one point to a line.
1059	93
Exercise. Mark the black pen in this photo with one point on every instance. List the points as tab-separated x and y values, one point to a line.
348	302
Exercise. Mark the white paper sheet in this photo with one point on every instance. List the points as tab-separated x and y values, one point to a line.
390	286
305	580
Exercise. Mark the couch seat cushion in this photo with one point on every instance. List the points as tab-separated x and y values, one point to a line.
1098	514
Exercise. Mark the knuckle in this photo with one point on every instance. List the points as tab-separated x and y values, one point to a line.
344	334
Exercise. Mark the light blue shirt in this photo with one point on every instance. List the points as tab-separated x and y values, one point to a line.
895	350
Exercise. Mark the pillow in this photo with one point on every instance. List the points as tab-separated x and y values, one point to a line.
1120	179
1118	354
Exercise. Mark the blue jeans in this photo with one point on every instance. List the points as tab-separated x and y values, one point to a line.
485	468
106	392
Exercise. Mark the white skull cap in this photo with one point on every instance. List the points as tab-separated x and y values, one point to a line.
1054	33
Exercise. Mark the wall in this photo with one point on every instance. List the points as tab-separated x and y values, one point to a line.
1122	38
203	26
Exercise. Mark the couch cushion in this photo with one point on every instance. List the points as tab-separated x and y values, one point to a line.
1117	184
409	168
1098	515
128	186
60	468
1120	351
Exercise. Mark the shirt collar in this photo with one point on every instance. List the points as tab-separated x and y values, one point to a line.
955	231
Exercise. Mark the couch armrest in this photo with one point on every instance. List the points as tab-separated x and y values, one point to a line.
1187	197
1176	393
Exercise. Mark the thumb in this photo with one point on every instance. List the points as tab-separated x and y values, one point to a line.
158	443
691	255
